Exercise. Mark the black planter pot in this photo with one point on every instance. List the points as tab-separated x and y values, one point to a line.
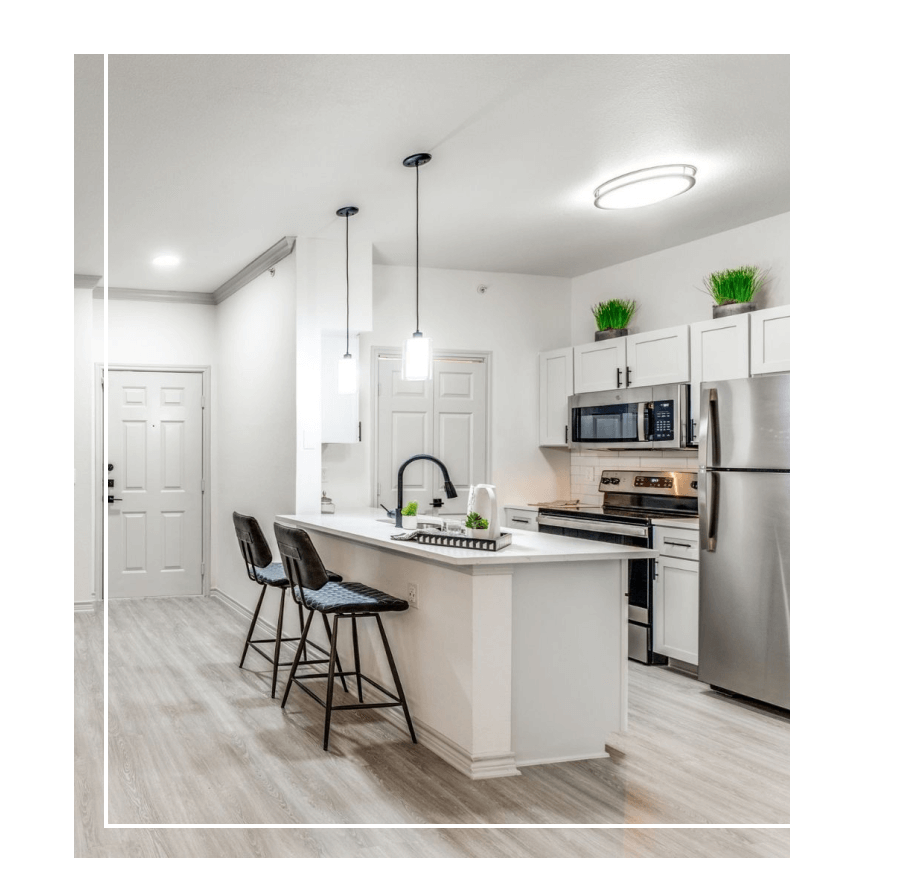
609	333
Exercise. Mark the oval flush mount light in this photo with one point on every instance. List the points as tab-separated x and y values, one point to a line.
166	261
644	187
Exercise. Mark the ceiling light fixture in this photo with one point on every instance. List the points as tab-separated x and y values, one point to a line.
347	370
415	364
166	261
644	187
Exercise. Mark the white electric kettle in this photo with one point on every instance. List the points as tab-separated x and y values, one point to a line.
483	500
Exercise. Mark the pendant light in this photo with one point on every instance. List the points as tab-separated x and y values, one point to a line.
347	369
415	364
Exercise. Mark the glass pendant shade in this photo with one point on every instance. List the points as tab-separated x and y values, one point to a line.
347	375
415	364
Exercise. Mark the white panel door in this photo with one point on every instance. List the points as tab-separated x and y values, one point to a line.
155	425
405	428
446	418
555	371
770	340
460	439
658	357
600	366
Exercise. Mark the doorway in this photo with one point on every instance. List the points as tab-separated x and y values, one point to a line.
446	417
156	481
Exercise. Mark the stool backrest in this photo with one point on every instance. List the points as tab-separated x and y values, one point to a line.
302	564
254	548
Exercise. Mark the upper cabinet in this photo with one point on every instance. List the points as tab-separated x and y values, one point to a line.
340	411
770	340
720	351
657	357
555	389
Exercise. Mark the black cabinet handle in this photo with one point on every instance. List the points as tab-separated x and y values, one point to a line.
627	377
567	434
618	378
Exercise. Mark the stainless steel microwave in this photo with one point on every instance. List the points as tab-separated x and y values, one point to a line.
636	417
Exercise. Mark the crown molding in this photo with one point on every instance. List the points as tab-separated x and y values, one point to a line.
83	281
116	294
259	265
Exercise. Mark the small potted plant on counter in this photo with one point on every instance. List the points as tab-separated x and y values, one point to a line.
733	290
477	527
612	318
408	519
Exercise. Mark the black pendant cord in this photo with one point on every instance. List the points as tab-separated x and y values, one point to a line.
417	250
347	252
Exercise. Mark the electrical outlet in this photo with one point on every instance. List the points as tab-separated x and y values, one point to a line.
412	594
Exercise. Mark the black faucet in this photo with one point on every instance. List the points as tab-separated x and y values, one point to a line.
448	485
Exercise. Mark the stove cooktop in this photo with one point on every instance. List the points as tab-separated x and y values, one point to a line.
608	513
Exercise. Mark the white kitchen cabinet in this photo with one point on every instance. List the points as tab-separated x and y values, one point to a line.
522	517
720	351
641	360
770	340
676	594
340	412
555	389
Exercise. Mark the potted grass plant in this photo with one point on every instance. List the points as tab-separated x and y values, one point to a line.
612	318
733	290
408	516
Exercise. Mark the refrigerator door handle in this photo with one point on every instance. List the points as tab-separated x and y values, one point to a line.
709	427
708	503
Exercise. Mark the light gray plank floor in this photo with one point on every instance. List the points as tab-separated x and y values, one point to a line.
195	740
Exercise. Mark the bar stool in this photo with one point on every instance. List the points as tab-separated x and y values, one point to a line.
314	590
262	570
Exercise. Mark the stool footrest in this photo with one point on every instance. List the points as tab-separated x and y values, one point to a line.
288	661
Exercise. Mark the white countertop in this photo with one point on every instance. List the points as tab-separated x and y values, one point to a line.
527	547
690	523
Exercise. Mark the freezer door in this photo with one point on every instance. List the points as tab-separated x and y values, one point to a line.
745	424
745	586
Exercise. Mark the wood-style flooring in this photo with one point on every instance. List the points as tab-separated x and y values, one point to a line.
194	740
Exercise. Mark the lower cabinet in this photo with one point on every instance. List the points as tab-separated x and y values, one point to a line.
676	594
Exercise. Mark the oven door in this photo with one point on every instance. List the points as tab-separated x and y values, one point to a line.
640	581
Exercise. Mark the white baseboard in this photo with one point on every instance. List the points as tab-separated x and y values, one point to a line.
84	607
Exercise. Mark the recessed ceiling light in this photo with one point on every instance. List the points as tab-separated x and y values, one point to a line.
166	260
645	186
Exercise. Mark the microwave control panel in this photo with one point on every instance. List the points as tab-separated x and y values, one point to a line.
663	420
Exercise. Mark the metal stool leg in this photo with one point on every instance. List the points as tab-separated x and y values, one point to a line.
262	594
330	695
328	633
356	659
300	650
400	694
278	644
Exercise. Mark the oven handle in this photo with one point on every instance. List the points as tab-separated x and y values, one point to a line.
600	527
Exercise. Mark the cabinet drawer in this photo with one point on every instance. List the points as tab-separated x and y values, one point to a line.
680	543
523	519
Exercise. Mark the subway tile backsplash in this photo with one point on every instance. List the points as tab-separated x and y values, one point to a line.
586	467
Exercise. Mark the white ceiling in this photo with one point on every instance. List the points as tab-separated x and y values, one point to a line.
218	157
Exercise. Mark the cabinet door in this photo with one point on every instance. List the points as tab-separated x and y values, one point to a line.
600	366
521	518
676	594
555	389
340	412
770	340
658	357
720	351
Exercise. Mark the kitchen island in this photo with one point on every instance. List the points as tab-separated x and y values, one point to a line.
508	658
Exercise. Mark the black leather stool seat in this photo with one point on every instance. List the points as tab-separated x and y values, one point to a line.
336	597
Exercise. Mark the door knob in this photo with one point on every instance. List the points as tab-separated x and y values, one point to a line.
111	499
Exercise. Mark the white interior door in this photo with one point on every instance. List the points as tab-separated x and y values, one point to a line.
446	418
156	452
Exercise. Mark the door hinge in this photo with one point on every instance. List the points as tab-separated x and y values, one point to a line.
203	485
360	431
203	401
202	569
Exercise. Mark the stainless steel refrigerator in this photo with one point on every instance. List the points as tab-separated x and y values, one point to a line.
745	539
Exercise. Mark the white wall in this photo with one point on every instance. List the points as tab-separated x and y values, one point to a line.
255	432
668	285
85	498
515	319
